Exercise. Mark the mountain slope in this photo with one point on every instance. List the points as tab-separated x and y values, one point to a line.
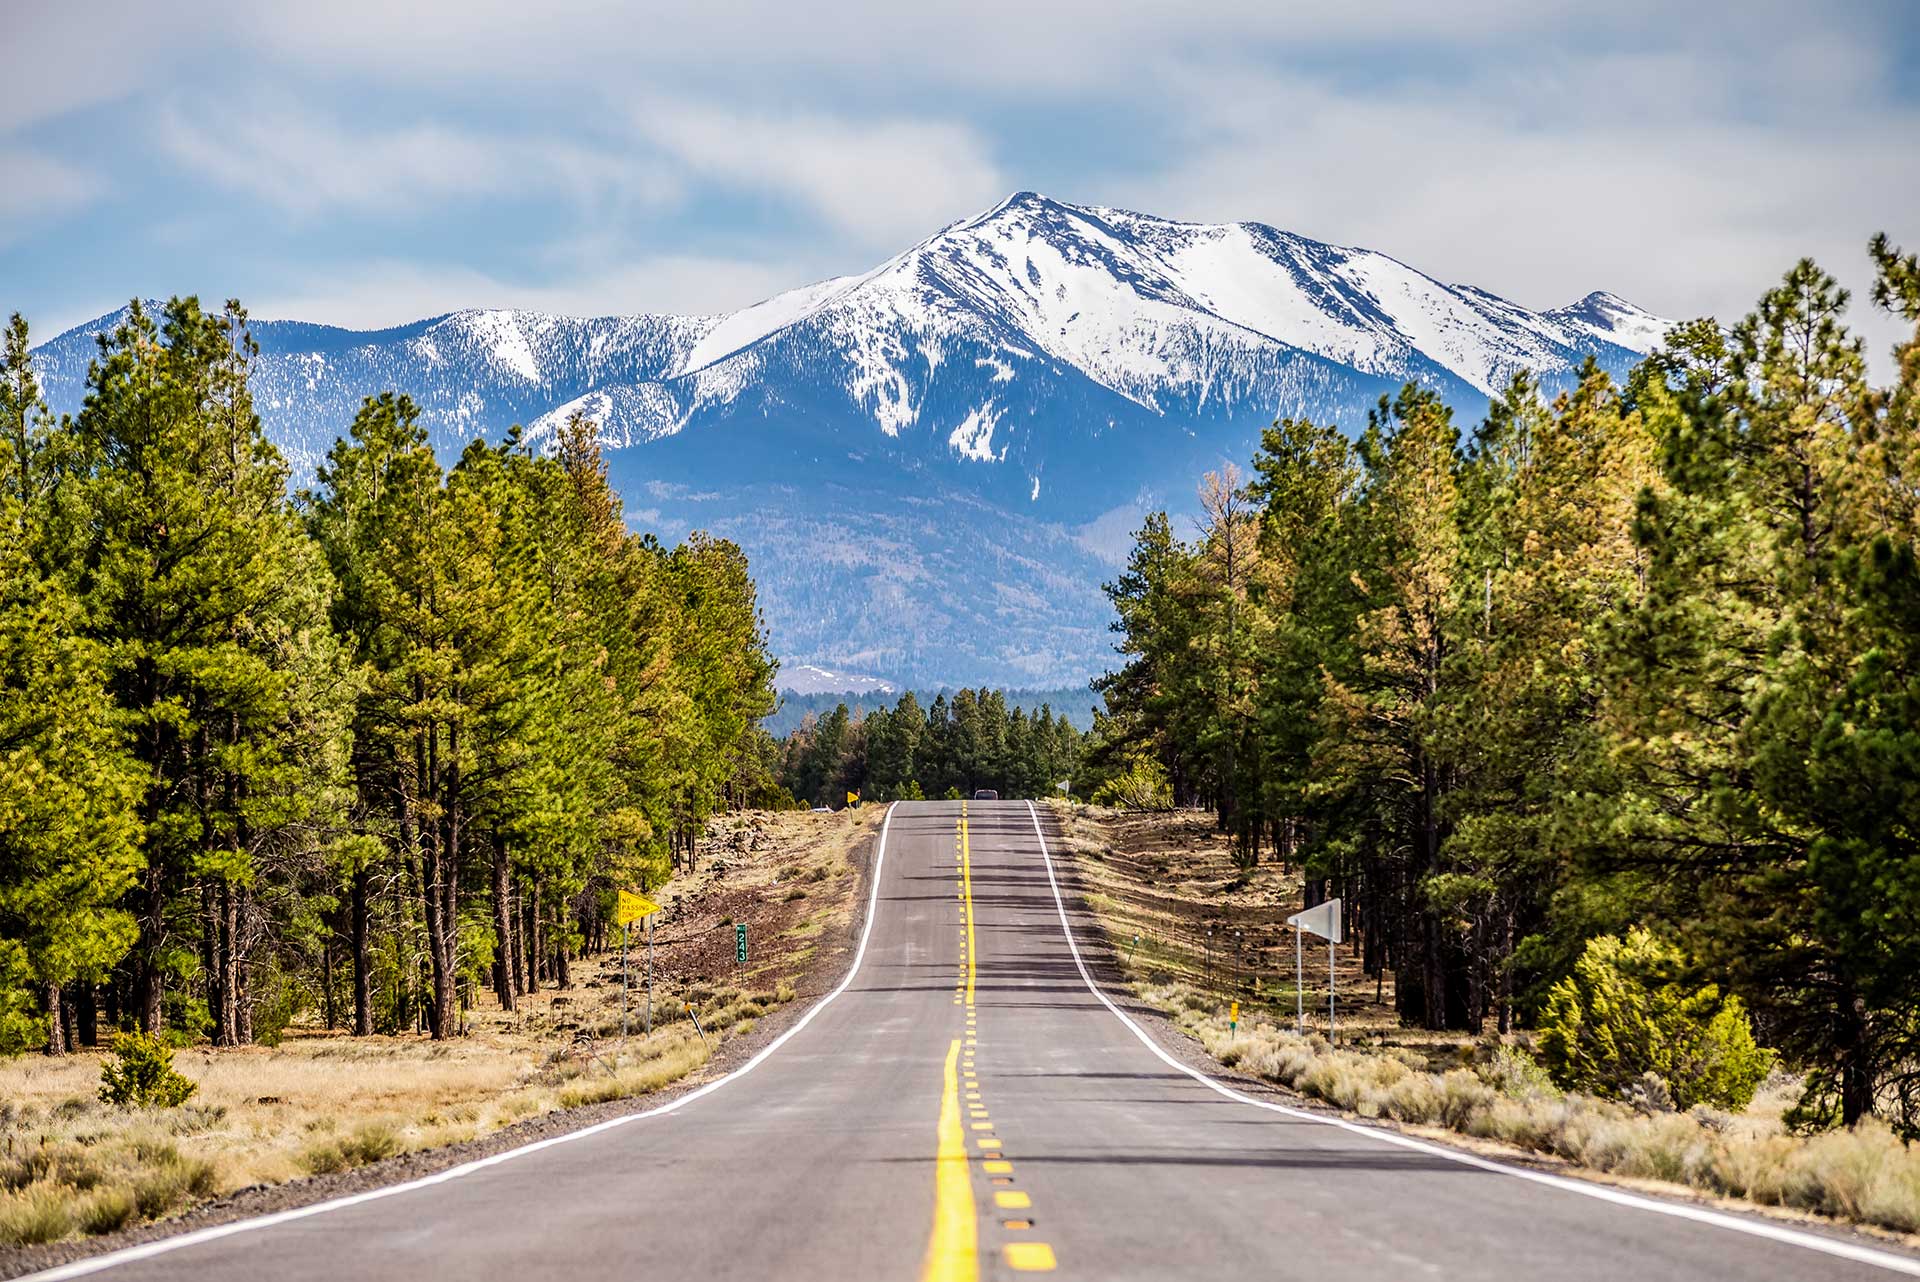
932	464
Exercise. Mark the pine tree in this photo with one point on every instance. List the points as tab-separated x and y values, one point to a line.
68	836
197	585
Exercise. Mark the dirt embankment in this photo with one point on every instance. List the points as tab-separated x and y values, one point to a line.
1176	908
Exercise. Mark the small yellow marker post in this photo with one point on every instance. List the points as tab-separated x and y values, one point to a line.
1233	1019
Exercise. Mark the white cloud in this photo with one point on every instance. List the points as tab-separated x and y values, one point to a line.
305	163
886	182
1684	212
1679	155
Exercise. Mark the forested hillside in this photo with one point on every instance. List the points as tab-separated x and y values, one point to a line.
1646	655
355	752
977	739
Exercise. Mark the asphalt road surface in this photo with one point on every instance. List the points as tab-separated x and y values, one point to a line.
952	1113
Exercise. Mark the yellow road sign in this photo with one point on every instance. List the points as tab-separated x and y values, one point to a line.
632	908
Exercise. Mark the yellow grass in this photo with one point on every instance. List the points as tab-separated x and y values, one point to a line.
320	1103
1160	876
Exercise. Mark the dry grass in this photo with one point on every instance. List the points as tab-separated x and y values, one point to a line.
1165	877
1866	1175
321	1103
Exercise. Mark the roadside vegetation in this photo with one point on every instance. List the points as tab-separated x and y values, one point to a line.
1156	882
72	1163
1502	1093
358	751
1600	717
102	1138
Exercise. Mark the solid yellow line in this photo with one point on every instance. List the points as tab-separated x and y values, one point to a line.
953	1248
966	880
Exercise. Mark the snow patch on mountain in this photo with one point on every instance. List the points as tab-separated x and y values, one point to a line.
746	327
807	678
974	437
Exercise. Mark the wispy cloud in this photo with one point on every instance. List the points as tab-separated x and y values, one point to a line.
307	163
1679	155
884	180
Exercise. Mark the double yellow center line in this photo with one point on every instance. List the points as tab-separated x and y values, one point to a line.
953	1248
966	898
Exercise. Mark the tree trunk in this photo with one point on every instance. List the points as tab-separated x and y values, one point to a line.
56	1025
87	1003
242	1001
516	920
362	960
1856	1077
446	957
535	958
149	980
227	965
326	980
502	924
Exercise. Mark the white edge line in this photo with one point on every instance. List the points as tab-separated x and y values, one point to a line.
1754	1228
147	1250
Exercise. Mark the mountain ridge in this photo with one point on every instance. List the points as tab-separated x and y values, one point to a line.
917	457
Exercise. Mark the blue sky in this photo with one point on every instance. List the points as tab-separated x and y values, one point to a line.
367	162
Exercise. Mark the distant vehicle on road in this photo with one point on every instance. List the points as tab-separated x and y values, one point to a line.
985	794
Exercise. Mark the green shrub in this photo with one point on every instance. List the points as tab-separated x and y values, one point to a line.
1141	786
1619	1017
141	1074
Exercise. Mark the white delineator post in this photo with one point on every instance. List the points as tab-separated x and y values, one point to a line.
1322	919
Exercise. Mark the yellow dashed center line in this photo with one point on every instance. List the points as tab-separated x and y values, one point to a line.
1029	1257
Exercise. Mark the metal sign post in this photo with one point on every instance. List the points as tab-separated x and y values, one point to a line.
740	951
1323	919
628	909
1299	988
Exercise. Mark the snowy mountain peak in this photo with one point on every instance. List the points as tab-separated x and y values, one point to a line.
1612	319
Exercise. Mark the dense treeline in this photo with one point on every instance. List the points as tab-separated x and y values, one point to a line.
1072	703
951	748
358	751
1649	654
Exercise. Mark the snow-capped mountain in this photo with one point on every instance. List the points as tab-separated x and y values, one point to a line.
933	463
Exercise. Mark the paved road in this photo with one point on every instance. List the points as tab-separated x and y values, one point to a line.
947	1116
